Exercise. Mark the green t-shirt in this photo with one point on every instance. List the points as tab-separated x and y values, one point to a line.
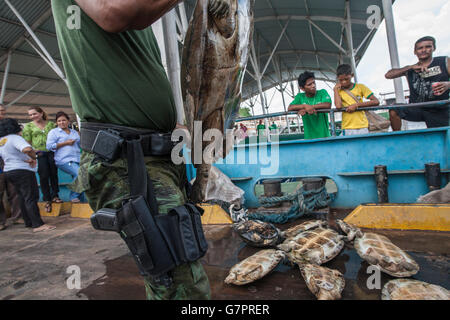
114	78
314	125
37	137
260	129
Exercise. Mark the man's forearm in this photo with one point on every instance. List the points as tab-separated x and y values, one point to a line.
121	15
396	73
337	100
325	105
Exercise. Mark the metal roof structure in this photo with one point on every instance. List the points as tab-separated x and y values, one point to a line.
290	36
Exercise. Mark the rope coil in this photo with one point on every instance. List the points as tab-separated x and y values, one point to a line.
303	202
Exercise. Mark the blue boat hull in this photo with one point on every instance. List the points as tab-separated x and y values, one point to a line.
348	161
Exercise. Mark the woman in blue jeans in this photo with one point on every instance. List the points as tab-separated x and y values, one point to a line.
65	143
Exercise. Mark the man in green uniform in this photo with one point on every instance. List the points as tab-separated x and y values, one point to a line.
307	103
273	127
115	76
260	128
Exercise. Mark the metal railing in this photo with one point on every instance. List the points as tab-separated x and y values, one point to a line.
332	112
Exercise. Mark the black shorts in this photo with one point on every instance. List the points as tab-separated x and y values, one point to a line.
433	117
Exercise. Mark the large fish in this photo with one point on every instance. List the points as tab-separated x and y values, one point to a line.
215	56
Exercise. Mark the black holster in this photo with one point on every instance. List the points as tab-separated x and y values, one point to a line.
157	242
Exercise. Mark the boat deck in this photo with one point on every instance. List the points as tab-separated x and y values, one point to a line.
35	266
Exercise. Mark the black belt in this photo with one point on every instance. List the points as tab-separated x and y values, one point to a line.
107	140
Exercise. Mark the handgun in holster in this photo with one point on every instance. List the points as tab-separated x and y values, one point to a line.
157	242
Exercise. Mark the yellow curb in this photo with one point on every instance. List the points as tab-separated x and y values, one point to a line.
415	216
214	214
81	210
58	209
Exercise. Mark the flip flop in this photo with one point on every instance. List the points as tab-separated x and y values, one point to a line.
57	200
43	228
48	206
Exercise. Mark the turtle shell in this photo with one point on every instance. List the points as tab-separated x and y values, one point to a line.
254	267
307	225
258	233
408	289
315	246
380	251
324	283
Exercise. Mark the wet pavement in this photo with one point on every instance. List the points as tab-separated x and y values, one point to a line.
37	269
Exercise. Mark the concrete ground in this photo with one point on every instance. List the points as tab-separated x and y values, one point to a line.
44	265
35	265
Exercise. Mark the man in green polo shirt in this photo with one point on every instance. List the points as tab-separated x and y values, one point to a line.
115	76
307	103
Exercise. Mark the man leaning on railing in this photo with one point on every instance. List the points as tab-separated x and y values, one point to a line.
428	81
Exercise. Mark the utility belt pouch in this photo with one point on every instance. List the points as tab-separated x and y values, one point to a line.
107	145
161	144
192	243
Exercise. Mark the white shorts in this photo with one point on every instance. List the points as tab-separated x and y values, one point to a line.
353	132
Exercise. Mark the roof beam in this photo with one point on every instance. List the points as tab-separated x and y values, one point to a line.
44	105
17	23
22	95
40	93
22	75
28	54
303	52
45	16
305	18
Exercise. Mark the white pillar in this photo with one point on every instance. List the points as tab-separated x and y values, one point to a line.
393	49
348	29
5	77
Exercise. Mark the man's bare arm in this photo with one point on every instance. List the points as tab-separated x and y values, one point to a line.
397	73
119	15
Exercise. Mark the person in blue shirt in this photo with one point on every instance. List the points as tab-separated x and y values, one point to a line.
65	143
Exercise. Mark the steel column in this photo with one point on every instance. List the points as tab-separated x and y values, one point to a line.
393	49
348	29
5	77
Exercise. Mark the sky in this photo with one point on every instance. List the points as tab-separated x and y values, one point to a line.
413	20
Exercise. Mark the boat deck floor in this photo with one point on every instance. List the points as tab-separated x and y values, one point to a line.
36	266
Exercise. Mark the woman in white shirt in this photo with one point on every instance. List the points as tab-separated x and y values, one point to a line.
20	170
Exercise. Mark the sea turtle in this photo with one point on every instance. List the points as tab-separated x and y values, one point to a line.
324	283
307	225
258	233
254	267
215	54
380	251
350	230
316	246
408	289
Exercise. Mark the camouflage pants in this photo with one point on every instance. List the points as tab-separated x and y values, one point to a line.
106	184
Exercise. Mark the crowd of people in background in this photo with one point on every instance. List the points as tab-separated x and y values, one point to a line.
41	146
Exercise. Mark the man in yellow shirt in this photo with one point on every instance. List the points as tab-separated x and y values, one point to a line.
350	95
